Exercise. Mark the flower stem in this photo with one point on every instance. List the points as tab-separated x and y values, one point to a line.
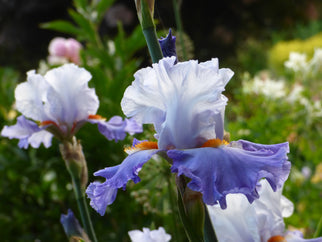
72	153
145	11
82	207
209	233
153	44
176	7
191	210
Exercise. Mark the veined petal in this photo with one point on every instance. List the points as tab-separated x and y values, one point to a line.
103	194
116	127
113	129
234	168
133	127
27	132
148	235
258	221
183	101
69	99
31	95
118	176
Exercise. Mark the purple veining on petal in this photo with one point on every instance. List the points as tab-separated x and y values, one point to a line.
216	172
103	194
27	132
132	127
116	128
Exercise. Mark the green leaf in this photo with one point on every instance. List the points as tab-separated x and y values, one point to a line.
62	26
80	4
102	6
84	24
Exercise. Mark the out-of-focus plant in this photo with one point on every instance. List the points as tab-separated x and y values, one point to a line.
110	60
280	52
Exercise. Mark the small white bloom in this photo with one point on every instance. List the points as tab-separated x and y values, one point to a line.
316	61
297	62
295	94
267	87
148	235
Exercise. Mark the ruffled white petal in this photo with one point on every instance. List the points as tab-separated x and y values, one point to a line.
183	101
255	222
149	236
69	98
31	95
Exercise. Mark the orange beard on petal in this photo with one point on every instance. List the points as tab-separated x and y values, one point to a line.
48	122
145	145
96	116
277	238
214	143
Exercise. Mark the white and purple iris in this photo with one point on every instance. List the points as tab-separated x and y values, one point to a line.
261	221
184	101
60	102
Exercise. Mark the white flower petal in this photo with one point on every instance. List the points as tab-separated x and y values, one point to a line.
69	98
256	222
30	96
183	101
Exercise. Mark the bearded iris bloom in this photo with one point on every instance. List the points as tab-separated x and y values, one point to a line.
60	102
261	221
184	102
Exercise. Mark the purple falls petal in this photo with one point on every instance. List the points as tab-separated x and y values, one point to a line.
103	194
116	128
235	168
168	45
132	127
27	132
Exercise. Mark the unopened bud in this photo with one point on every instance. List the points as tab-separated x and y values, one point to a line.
72	153
145	11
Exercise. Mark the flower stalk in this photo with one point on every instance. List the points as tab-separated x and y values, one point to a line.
145	11
73	156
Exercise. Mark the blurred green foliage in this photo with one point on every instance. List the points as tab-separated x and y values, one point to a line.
35	186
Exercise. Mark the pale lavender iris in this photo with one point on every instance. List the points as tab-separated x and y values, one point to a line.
260	221
60	102
184	101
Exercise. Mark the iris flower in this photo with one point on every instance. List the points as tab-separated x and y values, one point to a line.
148	235
59	103
185	104
261	221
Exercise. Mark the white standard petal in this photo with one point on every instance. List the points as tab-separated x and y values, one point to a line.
31	95
69	97
259	221
149	236
183	101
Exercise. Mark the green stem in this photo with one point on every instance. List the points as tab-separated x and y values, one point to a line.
179	27
153	43
82	207
209	233
318	231
190	232
72	153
